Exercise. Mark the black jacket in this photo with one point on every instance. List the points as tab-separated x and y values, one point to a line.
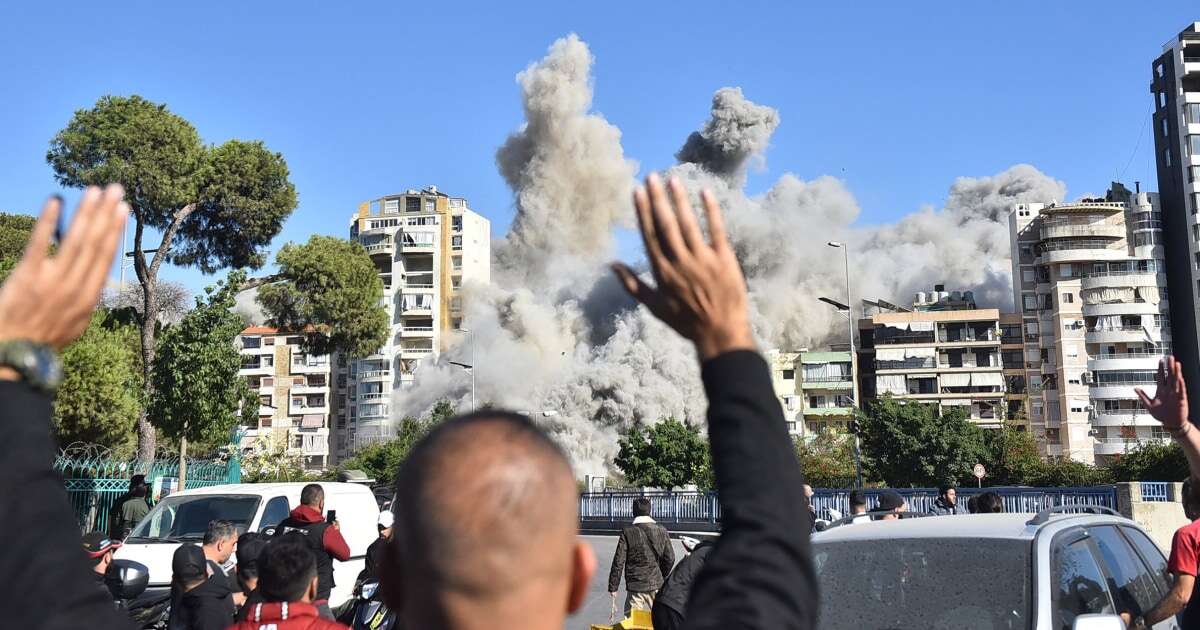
645	555
760	573
674	592
206	607
48	583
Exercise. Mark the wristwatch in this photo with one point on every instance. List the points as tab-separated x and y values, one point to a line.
36	363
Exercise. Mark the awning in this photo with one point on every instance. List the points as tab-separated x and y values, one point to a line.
312	421
920	326
920	353
956	380
891	384
911	376
889	354
987	379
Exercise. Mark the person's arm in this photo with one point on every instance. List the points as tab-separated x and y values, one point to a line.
760	573
1170	407
618	566
335	544
1173	602
667	560
49	300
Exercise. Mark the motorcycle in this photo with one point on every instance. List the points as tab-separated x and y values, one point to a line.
127	580
369	611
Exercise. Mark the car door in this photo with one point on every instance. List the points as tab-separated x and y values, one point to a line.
1133	587
273	514
1154	563
1078	585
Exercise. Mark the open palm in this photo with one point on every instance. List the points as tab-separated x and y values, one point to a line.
1170	404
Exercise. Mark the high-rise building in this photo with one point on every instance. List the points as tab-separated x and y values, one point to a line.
1175	84
1087	277
814	388
426	245
944	351
293	389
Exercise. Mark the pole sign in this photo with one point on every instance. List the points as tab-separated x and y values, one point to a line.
979	473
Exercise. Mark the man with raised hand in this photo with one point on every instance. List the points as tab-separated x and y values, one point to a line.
487	524
45	304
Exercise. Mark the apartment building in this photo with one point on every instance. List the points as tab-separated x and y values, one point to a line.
426	245
1089	279
944	352
815	389
1175	86
294	392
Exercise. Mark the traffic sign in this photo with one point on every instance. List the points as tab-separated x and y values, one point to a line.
979	471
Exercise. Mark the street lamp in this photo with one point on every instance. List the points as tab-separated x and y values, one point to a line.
469	367
845	247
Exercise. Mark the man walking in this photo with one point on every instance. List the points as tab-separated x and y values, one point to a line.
129	509
645	555
324	539
947	502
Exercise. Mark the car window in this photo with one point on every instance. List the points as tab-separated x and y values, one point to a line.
1129	581
277	509
1080	587
1153	557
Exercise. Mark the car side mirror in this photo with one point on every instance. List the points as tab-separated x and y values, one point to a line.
126	579
1098	622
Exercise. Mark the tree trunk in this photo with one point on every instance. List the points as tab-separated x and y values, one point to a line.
183	462
146	437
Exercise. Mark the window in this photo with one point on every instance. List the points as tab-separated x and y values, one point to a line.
268	341
412	204
277	509
1031	302
391	206
1158	69
456	222
1192	110
1151	555
789	375
1165	131
1194	145
1066	270
267	361
264	422
1080	588
430	204
265	400
456	241
456	261
1193	173
293	341
1068	298
1195	202
1027	275
1162	99
1167	157
1128	580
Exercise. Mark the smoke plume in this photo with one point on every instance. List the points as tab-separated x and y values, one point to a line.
555	336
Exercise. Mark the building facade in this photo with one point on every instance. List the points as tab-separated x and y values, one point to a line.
814	388
1088	278
1175	86
944	352
425	245
294	392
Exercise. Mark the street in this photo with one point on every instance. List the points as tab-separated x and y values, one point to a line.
598	604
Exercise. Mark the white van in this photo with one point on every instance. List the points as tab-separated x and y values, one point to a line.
251	507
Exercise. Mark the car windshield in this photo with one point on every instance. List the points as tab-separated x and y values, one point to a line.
924	583
184	518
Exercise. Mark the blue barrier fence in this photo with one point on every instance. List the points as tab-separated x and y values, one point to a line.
703	509
1154	491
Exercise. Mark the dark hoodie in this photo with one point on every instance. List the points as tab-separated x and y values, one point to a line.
325	541
206	607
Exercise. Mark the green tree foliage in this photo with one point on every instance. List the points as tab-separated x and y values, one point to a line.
14	234
211	207
667	455
330	289
197	391
381	461
909	445
1013	457
827	459
1064	471
99	400
1151	461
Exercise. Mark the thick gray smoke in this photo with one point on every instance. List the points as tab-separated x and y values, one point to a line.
555	337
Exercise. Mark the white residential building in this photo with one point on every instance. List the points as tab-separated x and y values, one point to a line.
1089	280
815	389
294	391
426	245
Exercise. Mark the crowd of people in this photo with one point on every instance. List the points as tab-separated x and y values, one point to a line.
484	528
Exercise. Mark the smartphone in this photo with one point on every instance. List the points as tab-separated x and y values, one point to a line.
331	516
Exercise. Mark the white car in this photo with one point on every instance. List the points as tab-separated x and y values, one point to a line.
1055	570
184	516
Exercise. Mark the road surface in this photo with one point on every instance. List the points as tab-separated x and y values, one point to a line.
598	603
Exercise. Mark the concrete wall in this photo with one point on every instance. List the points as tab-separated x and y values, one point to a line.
1160	519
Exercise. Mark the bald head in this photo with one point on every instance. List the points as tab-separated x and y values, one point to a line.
486	509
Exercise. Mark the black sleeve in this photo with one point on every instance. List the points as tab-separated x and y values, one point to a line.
667	560
618	565
760	573
47	581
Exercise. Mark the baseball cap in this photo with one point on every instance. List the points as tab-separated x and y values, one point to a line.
188	563
249	546
97	544
386	519
889	500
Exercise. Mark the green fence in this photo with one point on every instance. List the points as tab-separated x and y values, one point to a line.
94	483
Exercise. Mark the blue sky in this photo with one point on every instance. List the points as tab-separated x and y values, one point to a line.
365	98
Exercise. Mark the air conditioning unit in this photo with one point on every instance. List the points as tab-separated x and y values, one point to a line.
1086	377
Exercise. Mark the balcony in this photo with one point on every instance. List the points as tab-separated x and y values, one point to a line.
1082	230
1147	360
309	443
1123	308
1124	418
416	306
827	411
1120	445
310	367
415	351
256	369
418	282
411	246
1125	334
373	396
374	376
386	248
1120	279
1117	391
415	332
1078	250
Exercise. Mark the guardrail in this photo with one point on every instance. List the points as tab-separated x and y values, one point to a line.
1154	491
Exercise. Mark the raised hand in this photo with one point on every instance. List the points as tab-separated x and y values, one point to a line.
49	299
700	290
1170	404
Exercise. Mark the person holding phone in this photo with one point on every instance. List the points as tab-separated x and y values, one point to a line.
324	538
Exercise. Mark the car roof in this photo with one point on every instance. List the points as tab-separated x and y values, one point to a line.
331	487
1013	526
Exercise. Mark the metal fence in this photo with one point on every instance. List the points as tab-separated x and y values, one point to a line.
1155	491
703	508
93	483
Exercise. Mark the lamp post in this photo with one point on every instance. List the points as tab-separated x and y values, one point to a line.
470	368
845	247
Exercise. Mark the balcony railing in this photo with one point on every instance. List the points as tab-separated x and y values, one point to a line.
1086	243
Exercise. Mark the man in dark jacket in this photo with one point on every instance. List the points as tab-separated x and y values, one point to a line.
324	539
645	556
99	549
197	601
947	502
672	599
487	508
129	509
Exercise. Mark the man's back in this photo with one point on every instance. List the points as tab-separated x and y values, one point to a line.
644	553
